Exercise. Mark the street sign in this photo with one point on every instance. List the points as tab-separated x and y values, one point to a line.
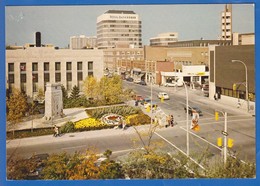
224	133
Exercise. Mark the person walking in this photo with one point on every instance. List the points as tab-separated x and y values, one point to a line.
56	131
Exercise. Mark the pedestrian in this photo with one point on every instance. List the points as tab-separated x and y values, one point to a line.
56	131
172	121
168	121
123	124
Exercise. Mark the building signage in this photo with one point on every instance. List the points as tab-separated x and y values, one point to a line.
122	17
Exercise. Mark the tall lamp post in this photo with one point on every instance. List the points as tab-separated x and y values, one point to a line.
187	120
246	85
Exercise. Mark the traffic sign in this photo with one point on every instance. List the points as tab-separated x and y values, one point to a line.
224	133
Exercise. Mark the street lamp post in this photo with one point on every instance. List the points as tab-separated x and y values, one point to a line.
187	120
246	85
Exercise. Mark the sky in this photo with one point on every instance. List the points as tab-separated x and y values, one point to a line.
58	23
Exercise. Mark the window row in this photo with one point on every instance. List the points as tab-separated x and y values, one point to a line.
46	66
46	77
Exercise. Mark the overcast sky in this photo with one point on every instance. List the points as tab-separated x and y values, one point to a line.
58	23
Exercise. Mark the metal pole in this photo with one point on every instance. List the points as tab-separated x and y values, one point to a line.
247	100
225	138
187	120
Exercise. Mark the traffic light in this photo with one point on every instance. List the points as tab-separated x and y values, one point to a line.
230	142
234	87
216	116
219	142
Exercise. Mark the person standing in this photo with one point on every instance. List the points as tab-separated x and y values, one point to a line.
172	121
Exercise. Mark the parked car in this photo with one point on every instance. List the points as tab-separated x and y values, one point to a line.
129	79
138	98
163	95
170	84
145	100
137	80
142	83
191	108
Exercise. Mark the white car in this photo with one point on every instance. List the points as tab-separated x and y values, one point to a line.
170	84
163	95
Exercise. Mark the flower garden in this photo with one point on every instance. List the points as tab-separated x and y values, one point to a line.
133	116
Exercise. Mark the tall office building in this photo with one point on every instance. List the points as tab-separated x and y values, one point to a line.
116	28
226	23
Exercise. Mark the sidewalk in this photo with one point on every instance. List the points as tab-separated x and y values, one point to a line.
72	114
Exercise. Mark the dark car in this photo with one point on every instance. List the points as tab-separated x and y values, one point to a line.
191	108
142	83
145	100
129	79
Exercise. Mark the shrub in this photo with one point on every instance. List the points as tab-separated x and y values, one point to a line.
120	110
68	127
90	124
138	119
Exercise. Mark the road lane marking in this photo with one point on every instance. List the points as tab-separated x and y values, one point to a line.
201	138
180	150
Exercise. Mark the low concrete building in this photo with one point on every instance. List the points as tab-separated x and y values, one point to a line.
31	68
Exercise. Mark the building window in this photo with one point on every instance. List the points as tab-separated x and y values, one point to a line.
57	66
23	66
35	77
68	66
34	66
23	78
69	76
57	77
90	74
80	76
35	87
46	66
79	65
10	78
46	77
90	65
10	67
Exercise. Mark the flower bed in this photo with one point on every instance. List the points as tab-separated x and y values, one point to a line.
89	124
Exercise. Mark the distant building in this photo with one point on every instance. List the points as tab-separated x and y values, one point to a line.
31	68
119	27
83	42
226	23
243	39
112	56
164	39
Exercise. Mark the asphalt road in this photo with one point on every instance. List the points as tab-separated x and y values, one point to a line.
241	128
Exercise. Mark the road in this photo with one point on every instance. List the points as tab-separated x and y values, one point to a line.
241	128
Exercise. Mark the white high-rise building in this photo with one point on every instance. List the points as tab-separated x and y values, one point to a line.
226	23
116	28
82	42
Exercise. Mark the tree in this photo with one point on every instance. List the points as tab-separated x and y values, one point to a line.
111	89
19	169
75	93
91	87
40	96
16	107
